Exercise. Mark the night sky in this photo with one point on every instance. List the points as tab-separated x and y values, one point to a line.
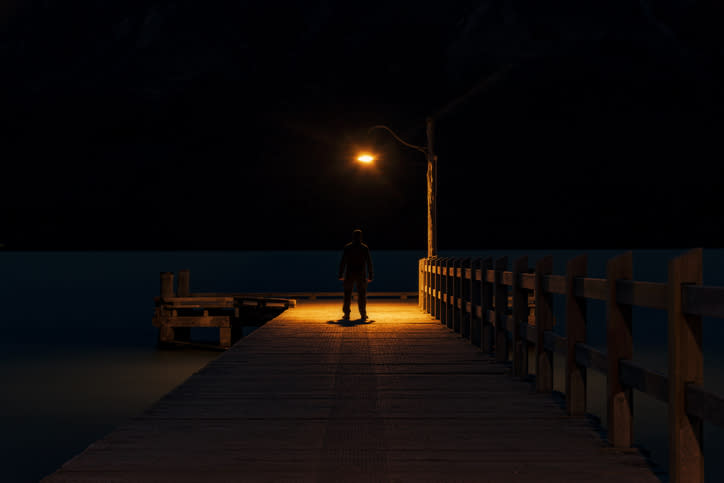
232	125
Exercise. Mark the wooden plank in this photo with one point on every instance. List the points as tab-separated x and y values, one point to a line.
619	337
703	301
555	284
520	315
199	321
705	405
686	366
575	333
591	288
544	322
399	399
501	298
647	381
591	358
642	294
199	300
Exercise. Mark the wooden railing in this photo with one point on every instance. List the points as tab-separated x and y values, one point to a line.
462	293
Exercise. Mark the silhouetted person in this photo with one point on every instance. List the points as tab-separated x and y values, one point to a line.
355	259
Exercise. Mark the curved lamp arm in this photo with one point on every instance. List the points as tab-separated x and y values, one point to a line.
380	126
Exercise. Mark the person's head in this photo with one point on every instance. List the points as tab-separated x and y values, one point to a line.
357	235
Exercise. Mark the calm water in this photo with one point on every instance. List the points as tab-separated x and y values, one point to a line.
78	353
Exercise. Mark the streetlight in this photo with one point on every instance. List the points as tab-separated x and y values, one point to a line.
431	179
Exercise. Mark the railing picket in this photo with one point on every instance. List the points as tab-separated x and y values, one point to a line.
544	321
476	323
619	337
455	292
575	332
686	458
501	304
486	302
520	315
465	298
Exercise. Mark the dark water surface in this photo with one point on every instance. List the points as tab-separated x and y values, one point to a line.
78	353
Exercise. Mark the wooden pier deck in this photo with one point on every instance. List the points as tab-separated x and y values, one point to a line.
400	397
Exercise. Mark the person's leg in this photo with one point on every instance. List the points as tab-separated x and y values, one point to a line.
362	296
348	284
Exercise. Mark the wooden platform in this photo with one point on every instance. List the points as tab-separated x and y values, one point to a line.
307	397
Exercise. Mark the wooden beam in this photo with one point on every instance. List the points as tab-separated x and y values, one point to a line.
527	281
555	284
704	301
591	358
642	294
619	336
575	333
705	405
544	322
686	366
650	382
592	288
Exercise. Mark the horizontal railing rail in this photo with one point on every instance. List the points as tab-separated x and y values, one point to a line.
463	293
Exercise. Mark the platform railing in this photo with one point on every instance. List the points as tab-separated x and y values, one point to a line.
464	293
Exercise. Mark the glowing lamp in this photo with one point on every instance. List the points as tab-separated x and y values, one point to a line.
365	158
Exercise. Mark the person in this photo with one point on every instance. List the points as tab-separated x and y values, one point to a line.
355	260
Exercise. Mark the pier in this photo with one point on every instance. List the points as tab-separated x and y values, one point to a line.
448	387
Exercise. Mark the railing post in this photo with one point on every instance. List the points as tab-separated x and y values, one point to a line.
686	366
167	290
456	297
419	284
465	286
520	315
452	293
476	324
443	291
448	292
544	322
619	339
184	285
501	304
486	302
429	284
575	333
437	301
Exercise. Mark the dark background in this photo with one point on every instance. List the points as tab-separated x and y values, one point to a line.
232	125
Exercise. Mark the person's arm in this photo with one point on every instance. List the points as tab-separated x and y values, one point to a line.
342	264
370	270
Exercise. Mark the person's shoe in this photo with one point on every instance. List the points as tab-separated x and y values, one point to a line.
364	317
345	317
